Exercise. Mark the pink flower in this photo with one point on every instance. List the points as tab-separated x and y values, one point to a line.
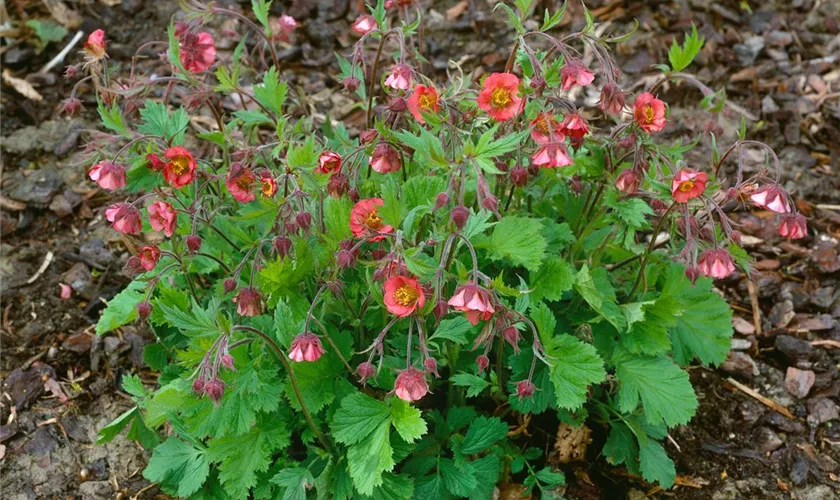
365	221
198	51
575	73
306	347
525	389
284	26
71	106
545	128
328	162
649	113
411	384
403	295
482	362
511	336
95	44
364	24
430	365
240	182
715	263
771	198
423	100
688	184
399	78
268	186
179	170
575	126
248	302
193	243
473	300
628	181
385	159
551	155
365	371
499	96
124	218
338	185
162	217
149	257
612	99
793	226
228	362
215	390
108	175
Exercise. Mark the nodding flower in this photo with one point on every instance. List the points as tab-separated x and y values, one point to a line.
411	384
575	73
474	300
715	263
306	347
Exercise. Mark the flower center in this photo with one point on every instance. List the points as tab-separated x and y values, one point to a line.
406	295
267	188
542	124
686	186
179	164
373	220
427	101
500	97
244	182
649	113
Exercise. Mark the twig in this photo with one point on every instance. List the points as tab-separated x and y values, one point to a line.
674	442
828	343
44	265
55	61
761	399
755	309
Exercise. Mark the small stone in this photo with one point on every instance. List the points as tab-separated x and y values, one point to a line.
78	343
782	314
794	348
741	344
799	470
766	440
768	265
799	382
814	323
779	38
819	492
784	424
743	326
769	106
823	297
749	50
95	250
821	411
751	411
741	364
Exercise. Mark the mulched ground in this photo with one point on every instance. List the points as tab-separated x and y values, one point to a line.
779	62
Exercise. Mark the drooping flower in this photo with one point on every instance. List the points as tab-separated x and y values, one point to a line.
575	126
411	384
338	185
328	162
551	156
399	78
519	176
715	263
482	362
162	217
198	50
193	243
149	257
403	295
511	336
228	362
459	216
628	181
649	112
365	371
240	181
385	159
793	226
366	222
124	218
612	99
771	198
423	100
284	26
475	301
248	302
525	389
500	96
108	175
364	24
306	347
71	106
95	45
215	390
179	170
688	184
430	365
575	73
198	385
545	129
268	186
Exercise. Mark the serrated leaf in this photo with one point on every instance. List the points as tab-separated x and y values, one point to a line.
453	329
112	118
575	366
261	11
554	277
178	467
663	388
112	430
518	240
134	386
482	434
681	56
598	292
122	309
486	470
458	479
431	487
358	416
240	458
407	420
394	487
475	385
550	21
368	459
157	121
655	464
621	446
272	92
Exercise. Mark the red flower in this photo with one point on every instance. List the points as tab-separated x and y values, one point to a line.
649	112
771	198
155	163
385	159
268	185
95	44
338	185
108	175
248	302
575	73
545	128
71	106
149	257
403	295
499	96
715	263
240	182
423	100
364	24
328	162
180	169
688	184
793	226
612	99
193	243
399	78
551	155
365	221
284	26
575	126
162	217
306	347
482	362
473	300
198	51
511	336
411	384
124	218
525	389
628	181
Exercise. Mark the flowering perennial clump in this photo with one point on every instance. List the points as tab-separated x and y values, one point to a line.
375	312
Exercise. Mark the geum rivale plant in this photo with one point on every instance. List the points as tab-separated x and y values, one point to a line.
379	315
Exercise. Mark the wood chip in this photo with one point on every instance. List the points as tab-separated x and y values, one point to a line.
456	10
761	399
10	204
23	87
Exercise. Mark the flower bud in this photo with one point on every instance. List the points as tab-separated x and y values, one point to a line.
215	390
133	266
368	136
345	259
193	243
397	105
353	194
292	227
533	170
338	185
365	371
441	309
628	181
351	83
230	285
735	236
459	216
575	185
143	310
538	84
227	362
692	273
657	205
490	203
71	71
441	201
304	220
525	389
612	99
71	106
482	362
198	386
511	336
519	176
431	367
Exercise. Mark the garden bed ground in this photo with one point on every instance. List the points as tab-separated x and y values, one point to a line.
780	65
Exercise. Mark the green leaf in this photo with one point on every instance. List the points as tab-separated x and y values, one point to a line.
518	240
394	487
240	458
656	465
512	17
597	291
112	430
621	446
483	433
155	356
174	52
453	329
194	323
358	416
295	480
134	386
458	478
550	21
486	470
368	459
122	309
272	92
649	335
261	11
575	366
475	385
407	420
157	121
664	389
303	156
431	487
179	468
47	31
112	118
681	57
550	477
555	277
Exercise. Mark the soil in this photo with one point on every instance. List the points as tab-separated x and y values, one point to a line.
780	67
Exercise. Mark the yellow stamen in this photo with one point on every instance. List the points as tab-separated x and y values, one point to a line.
500	97
179	164
406	295
427	101
649	113
373	220
686	186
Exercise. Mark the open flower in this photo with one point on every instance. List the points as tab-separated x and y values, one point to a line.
198	50
403	295
423	100
715	263
499	96
551	156
575	126
328	162
306	347
771	198
793	226
575	73
179	170
149	257
268	186
364	24
248	302
366	222
162	217
473	300
545	128
411	384
240	181
612	99
108	175
688	184
124	218
399	78
385	159
649	112
95	45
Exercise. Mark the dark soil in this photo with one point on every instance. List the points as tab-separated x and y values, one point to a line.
780	66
